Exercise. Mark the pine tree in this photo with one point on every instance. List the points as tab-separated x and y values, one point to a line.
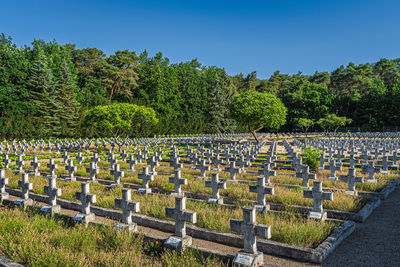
41	89
219	113
66	99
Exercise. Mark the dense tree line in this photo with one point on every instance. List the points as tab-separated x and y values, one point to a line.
47	88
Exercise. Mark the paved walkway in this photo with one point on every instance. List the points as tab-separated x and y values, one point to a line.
376	242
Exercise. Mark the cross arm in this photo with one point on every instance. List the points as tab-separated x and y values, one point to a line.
170	212
327	196
236	225
189	216
307	194
263	231
133	206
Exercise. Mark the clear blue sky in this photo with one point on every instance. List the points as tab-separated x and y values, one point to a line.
241	36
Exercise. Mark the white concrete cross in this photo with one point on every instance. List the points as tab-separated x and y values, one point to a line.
250	229
318	196
177	181
180	215
127	205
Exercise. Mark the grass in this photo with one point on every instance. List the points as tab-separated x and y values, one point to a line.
287	227
35	240
239	193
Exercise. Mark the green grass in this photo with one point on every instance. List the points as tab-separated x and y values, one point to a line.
240	194
35	240
287	227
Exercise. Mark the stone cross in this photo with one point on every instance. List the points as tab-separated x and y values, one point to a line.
177	181
318	196
146	177
261	190
333	168
132	162
153	163
233	170
203	168
385	164
3	183
71	169
124	155
267	172
117	174
371	172
180	215
92	170
53	193
305	175
127	205
175	163
250	229
322	161
217	161
25	186
6	161
139	156
35	164
20	164
95	159
65	157
79	158
52	167
351	179
215	185
86	198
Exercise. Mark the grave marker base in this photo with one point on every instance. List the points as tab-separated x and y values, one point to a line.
178	243
23	203
34	173
4	195
246	259
126	227
332	178
351	193
371	180
83	218
317	215
219	201
261	208
69	179
50	210
144	191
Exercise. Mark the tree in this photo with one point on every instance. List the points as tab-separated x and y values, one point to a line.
257	110
304	123
333	122
41	89
120	120
69	113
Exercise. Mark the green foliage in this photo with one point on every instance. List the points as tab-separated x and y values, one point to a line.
304	123
258	110
120	119
310	156
46	87
333	122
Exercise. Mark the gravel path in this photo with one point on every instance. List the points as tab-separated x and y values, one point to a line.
375	242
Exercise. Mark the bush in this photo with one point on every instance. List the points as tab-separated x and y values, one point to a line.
310	156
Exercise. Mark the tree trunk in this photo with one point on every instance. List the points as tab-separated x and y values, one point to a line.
255	136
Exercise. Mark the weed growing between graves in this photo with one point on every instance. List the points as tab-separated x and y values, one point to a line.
287	227
32	239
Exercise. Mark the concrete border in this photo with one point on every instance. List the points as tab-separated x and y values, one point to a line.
263	245
359	216
6	262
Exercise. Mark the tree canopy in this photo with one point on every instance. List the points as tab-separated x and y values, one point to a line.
46	88
256	111
119	120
